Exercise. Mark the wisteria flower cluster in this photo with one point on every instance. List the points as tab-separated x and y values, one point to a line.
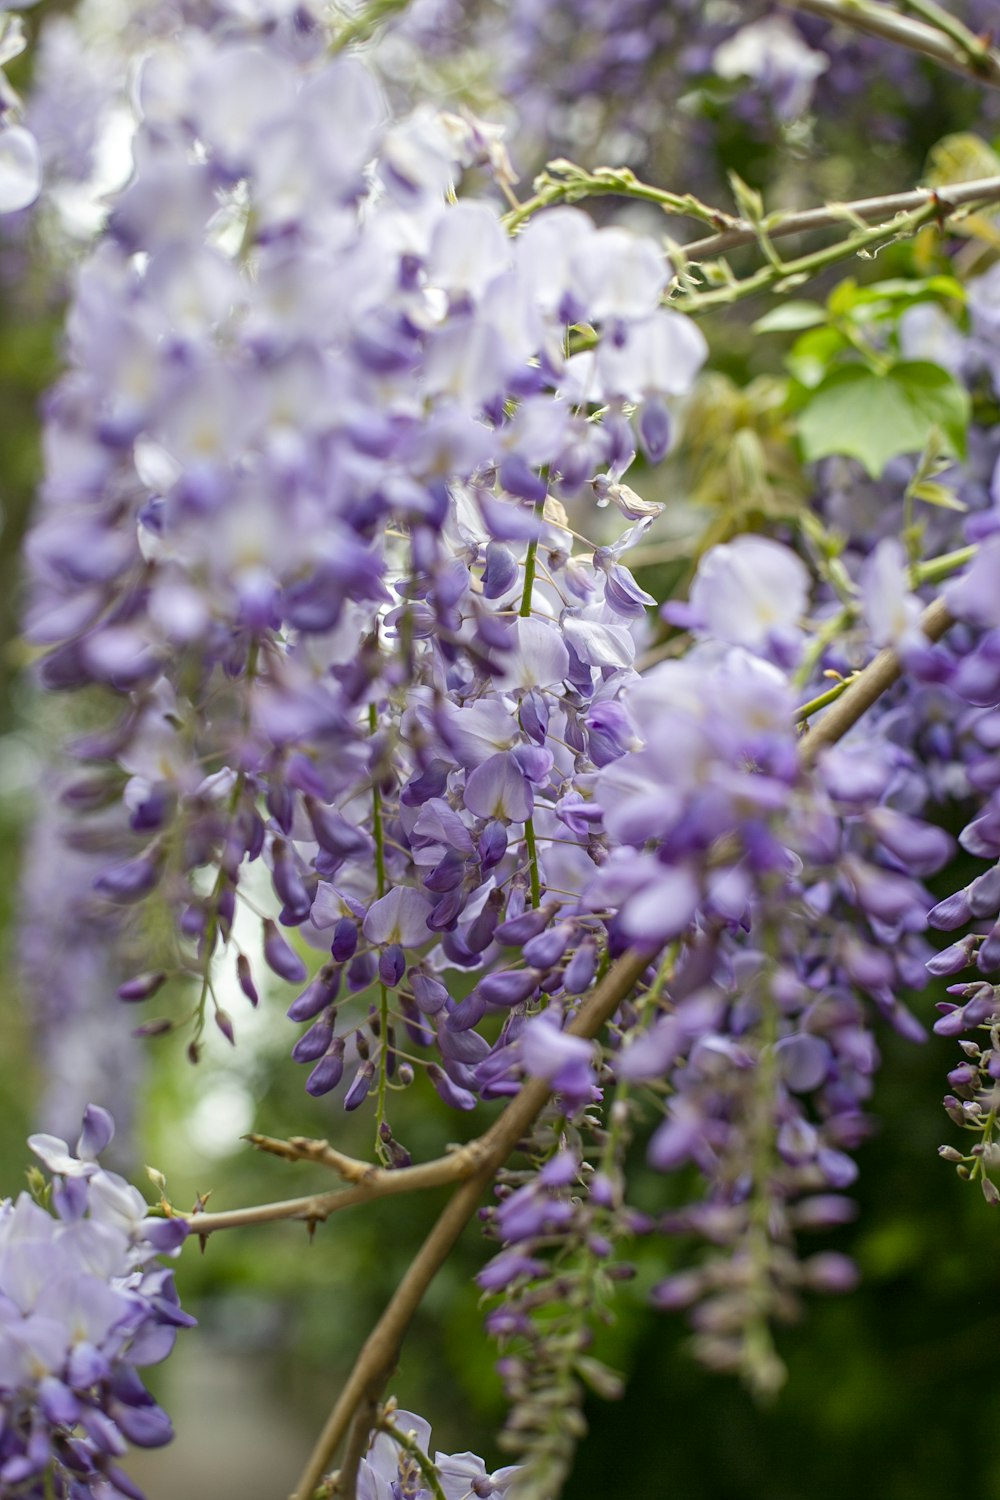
304	491
85	1305
341	540
397	1463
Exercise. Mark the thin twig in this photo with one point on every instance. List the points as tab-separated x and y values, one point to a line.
981	63
305	1148
974	47
778	225
831	695
783	275
374	1182
563	181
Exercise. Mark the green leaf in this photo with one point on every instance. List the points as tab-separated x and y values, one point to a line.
812	355
843	297
905	290
748	199
937	494
961	157
875	417
789	317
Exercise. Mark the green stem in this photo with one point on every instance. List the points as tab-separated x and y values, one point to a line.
381	1149
973	46
828	549
762	1367
937	568
361	27
378	834
828	632
212	930
563	181
830	696
529	578
412	1447
529	827
536	884
804	266
910	533
655	990
978	1162
616	1139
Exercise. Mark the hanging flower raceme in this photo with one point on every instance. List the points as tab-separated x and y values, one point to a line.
304	517
85	1304
791	897
972	1017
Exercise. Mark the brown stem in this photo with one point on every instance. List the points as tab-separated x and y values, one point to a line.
355	1448
369	1182
379	1355
976	61
868	687
876	210
305	1148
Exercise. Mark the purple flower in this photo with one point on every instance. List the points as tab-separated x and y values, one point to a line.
892	611
750	592
20	168
86	1304
975	596
285	962
399	917
566	1061
772	53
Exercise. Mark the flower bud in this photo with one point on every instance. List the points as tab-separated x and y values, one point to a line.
285	962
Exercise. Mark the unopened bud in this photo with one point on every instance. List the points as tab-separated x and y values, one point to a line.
224	1021
159	1027
141	987
607	1384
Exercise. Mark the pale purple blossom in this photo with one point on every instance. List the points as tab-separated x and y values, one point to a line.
750	592
86	1306
892	610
